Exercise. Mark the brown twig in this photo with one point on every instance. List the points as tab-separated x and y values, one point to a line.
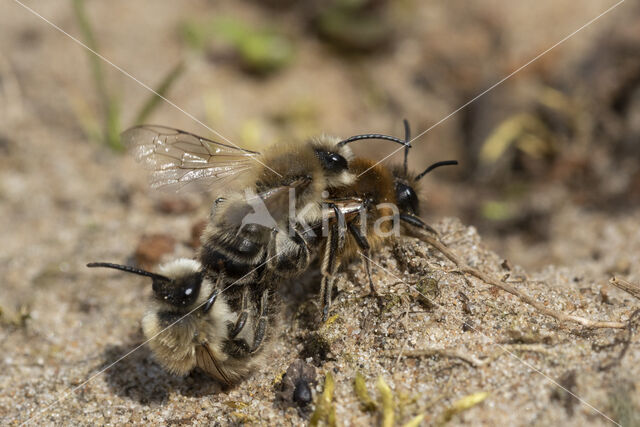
464	268
630	288
532	348
468	358
425	352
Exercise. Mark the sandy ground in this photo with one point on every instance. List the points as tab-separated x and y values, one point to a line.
65	201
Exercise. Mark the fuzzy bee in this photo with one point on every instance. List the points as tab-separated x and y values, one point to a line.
189	323
380	205
264	225
219	312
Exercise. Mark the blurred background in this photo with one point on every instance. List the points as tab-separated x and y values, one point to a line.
563	131
549	159
546	158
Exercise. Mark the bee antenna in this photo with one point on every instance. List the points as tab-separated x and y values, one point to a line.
407	138
373	136
436	165
128	269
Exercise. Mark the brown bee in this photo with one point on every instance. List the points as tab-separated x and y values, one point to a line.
263	226
189	322
280	210
217	313
380	205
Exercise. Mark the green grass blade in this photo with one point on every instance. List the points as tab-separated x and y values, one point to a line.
109	104
163	88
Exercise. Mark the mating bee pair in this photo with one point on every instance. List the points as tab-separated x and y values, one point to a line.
285	208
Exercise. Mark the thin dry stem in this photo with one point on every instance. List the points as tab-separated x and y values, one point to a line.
631	288
468	358
425	352
562	317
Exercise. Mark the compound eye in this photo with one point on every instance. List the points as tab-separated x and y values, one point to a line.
407	198
332	162
181	292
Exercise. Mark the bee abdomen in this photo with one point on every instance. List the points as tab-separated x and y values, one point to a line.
240	244
233	266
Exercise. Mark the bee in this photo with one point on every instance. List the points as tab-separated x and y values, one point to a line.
189	321
218	312
381	204
262	227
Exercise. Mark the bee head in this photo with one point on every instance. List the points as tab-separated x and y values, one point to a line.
181	283
178	285
334	156
334	160
406	184
406	195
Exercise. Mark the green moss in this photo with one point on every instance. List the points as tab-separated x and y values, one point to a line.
360	387
387	402
461	405
391	301
415	421
17	319
354	25
428	290
497	211
325	411
261	50
236	404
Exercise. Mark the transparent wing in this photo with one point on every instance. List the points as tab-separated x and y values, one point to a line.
180	159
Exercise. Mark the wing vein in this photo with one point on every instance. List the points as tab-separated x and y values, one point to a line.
179	158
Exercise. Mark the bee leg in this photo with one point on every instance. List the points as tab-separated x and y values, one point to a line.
330	262
210	301
261	324
363	244
244	314
417	222
306	253
212	298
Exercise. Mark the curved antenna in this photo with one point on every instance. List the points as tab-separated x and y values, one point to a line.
436	165
407	138
129	270
373	136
